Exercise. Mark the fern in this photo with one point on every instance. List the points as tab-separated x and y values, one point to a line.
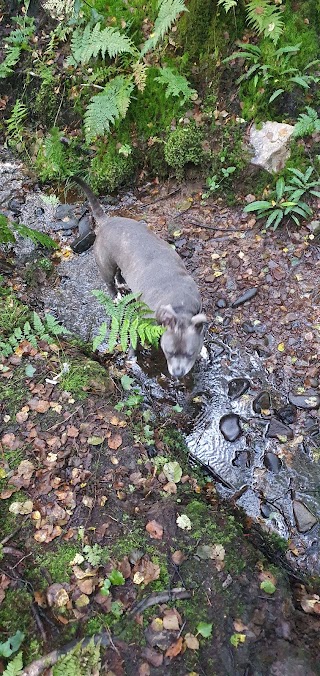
169	11
51	159
129	323
13	56
107	107
39	330
228	4
17	41
177	85
265	19
14	667
139	71
15	122
308	123
88	43
7	235
81	661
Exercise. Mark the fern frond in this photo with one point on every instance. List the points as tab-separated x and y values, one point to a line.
6	235
100	337
12	57
53	326
15	666
107	107
88	43
308	123
139	71
38	325
228	4
169	11
265	19
15	122
35	236
176	85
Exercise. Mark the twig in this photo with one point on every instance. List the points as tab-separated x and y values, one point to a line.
60	104
61	422
38	621
163	597
37	667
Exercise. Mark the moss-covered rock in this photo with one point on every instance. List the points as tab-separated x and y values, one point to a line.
184	147
110	168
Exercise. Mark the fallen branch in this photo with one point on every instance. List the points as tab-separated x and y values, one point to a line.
163	597
37	667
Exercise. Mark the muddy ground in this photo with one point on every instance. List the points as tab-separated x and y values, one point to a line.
94	490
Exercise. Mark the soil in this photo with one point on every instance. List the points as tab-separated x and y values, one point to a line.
95	494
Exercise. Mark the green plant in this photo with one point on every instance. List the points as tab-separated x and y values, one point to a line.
262	15
308	123
16	42
52	161
38	330
114	578
8	228
276	73
176	85
133	400
15	122
214	183
277	208
300	183
11	645
14	667
110	167
184	146
95	555
129	322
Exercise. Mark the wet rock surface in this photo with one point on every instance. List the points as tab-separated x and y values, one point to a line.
230	426
309	400
237	387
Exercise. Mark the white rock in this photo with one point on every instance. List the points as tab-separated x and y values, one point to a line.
270	144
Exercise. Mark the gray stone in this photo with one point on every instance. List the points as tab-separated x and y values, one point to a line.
305	520
277	430
309	400
230	426
270	144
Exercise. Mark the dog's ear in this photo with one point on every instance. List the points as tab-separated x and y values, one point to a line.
198	321
166	316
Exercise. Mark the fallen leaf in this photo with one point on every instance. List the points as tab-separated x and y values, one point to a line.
183	522
170	621
72	432
178	557
95	441
21	507
175	648
155	530
172	471
115	441
191	642
311	604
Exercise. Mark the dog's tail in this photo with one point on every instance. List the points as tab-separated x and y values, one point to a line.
97	209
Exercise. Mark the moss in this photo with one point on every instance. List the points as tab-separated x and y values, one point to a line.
95	624
110	169
151	113
83	375
184	147
15	612
58	563
14	391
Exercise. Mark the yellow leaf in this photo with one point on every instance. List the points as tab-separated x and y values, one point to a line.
281	347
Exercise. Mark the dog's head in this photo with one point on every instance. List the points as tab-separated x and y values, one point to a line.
183	339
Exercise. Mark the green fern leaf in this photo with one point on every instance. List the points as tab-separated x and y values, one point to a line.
35	236
308	123
227	4
176	85
133	333
169	11
100	337
265	19
107	107
12	57
15	666
88	43
15	122
114	333
38	325
6	235
124	334
54	327
27	329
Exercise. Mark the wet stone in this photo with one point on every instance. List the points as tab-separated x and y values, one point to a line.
305	520
221	303
248	328
272	462
64	211
277	430
84	226
230	426
237	387
287	414
247	295
83	243
265	510
262	402
242	460
309	400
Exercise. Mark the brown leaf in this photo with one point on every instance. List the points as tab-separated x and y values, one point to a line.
178	557
154	529
22	415
72	431
39	405
170	621
115	441
152	656
148	570
191	642
175	648
144	669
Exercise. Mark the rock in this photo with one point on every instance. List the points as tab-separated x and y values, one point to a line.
270	144
242	460
248	328
237	387
277	430
221	303
265	510
66	224
247	295
287	414
272	462
230	426
305	520
84	225
262	402
64	211
83	242
309	400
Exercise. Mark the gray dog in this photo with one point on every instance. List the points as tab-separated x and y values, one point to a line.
155	272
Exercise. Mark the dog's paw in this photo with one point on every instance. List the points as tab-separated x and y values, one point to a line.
204	354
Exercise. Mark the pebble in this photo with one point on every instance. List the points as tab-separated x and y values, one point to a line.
242	460
272	462
63	211
287	414
221	303
247	295
309	400
248	328
83	243
265	510
237	387
277	430
262	402
84	226
304	519
230	426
